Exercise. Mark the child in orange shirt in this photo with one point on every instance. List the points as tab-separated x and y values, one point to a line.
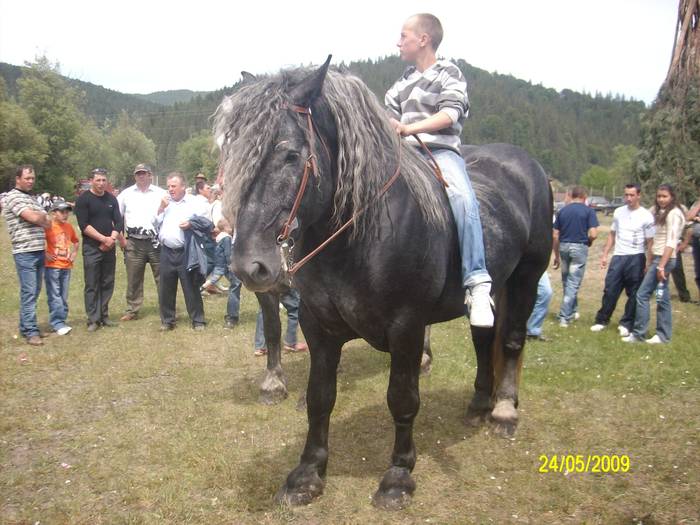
61	248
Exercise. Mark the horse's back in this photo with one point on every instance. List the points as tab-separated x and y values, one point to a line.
515	205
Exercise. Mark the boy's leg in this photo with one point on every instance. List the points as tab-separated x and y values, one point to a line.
539	311
233	306
259	331
465	209
54	298
290	301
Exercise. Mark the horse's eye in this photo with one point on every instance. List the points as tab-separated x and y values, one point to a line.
292	157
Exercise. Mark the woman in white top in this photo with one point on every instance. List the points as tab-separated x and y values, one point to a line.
669	221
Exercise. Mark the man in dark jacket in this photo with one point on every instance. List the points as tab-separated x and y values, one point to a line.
100	222
176	215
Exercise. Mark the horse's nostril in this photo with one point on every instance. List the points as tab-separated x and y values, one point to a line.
259	272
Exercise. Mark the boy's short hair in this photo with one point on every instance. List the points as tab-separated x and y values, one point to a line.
430	24
223	224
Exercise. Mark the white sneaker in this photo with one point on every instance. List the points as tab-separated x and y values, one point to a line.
598	328
64	330
478	299
577	316
563	324
624	332
656	340
630	339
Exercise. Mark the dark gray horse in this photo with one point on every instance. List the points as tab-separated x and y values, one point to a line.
396	270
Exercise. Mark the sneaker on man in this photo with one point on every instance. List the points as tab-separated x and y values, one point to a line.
563	323
478	299
577	316
597	327
64	330
623	331
656	340
631	339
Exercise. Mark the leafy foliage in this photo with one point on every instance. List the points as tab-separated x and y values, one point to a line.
198	154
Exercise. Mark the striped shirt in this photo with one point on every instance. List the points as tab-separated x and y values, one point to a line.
25	236
417	96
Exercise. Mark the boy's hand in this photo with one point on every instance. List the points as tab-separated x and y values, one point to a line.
50	257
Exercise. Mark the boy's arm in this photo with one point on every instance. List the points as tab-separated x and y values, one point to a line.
440	120
609	243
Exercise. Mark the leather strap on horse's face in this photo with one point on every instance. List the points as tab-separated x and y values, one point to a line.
309	165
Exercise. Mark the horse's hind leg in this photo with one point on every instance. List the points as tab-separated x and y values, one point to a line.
520	295
273	388
482	402
397	485
305	482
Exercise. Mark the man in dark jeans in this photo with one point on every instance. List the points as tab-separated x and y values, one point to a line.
631	234
99	220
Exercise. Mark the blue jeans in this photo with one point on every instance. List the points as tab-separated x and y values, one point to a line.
57	285
465	209
650	284
539	311
290	301
573	266
222	268
30	267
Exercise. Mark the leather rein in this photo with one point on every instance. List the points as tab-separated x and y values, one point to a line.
284	241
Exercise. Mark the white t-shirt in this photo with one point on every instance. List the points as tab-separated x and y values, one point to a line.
632	228
139	208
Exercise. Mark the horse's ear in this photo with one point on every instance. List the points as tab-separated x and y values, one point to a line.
309	89
248	77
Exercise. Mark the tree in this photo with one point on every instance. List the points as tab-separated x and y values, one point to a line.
670	146
53	108
198	154
598	178
127	147
20	142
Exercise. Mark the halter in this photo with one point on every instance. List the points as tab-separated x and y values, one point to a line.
283	239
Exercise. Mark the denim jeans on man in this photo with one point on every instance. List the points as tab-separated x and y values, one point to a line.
539	311
290	301
57	285
30	268
222	268
573	266
465	209
625	272
650	285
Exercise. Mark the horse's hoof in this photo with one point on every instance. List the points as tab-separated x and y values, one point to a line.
426	364
302	493
273	389
505	418
274	397
395	490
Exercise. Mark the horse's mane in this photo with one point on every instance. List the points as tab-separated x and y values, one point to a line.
246	123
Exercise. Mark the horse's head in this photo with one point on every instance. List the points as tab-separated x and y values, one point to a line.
268	142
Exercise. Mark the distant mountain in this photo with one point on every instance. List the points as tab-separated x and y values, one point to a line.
565	131
100	103
168	98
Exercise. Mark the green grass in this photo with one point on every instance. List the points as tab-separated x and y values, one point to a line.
128	425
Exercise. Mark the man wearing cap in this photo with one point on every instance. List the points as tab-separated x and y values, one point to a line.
26	221
100	222
138	205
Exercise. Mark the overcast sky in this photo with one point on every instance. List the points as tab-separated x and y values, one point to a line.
607	46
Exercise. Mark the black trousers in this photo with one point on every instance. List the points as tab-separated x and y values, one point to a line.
98	269
173	269
678	275
625	272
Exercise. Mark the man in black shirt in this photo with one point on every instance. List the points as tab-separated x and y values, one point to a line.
100	222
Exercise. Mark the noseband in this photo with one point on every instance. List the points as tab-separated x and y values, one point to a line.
284	241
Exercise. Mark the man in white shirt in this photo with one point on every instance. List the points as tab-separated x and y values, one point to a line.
138	205
632	235
174	214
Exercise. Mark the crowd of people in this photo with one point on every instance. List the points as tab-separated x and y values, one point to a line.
646	247
180	233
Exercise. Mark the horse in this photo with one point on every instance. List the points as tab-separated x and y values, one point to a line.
306	156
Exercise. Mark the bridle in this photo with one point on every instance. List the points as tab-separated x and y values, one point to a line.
284	241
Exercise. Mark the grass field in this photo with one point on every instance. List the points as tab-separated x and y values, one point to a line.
128	425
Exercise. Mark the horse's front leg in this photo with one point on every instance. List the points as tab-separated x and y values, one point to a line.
397	485
273	388
305	482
